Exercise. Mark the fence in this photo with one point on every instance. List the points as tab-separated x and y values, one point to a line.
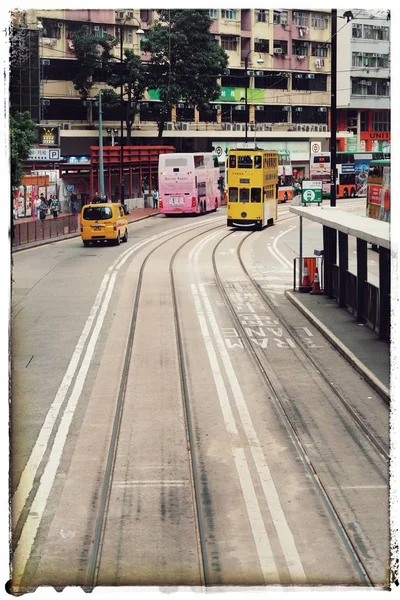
33	231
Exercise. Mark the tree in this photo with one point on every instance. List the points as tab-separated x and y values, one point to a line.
93	55
22	138
186	59
133	75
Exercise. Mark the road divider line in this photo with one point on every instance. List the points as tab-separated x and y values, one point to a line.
261	540
284	533
35	515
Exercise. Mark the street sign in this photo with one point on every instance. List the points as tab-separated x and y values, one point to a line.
46	154
311	192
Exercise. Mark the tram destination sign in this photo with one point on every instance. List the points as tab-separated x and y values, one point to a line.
311	192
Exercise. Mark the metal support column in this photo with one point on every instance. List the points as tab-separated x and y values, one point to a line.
362	274
343	266
384	293
329	237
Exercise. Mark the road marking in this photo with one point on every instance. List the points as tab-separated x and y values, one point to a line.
35	515
264	551
285	535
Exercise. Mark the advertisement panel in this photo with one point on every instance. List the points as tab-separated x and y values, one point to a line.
298	150
361	166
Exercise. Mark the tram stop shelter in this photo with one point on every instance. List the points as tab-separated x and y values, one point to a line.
369	303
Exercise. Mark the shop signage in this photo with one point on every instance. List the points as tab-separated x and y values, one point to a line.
299	151
379	135
48	136
46	154
347	168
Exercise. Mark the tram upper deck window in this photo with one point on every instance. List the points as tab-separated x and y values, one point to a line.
245	162
233	194
244	194
256	194
257	161
232	162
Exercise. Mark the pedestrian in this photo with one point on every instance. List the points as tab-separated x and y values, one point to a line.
42	210
54	206
74	203
155	198
96	198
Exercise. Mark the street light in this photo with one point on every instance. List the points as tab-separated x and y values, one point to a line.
260	61
138	32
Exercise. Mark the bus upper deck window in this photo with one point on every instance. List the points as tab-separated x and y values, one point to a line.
256	194
244	194
232	162
233	194
257	162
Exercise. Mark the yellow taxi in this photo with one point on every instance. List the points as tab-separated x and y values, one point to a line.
104	222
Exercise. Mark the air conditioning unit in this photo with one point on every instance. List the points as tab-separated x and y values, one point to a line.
277	50
120	14
286	108
45	62
46	102
250	72
260	107
227	126
129	14
322	109
240	107
169	126
236	126
185	126
300	57
324	127
299	109
66	126
59	24
96	28
310	76
217	106
298	75
259	73
181	105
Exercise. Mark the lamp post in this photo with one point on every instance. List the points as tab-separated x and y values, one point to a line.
140	32
260	61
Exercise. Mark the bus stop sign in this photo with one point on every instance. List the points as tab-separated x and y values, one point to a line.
311	192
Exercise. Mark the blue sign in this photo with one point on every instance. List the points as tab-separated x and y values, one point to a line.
347	168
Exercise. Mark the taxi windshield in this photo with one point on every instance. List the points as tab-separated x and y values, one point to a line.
97	213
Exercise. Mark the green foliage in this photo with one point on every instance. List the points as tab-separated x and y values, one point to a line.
186	60
22	138
92	53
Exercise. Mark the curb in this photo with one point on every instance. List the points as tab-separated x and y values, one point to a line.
68	236
344	351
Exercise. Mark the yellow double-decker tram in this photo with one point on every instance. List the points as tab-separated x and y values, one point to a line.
252	188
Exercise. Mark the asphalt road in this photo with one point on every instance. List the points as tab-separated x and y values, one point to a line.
210	479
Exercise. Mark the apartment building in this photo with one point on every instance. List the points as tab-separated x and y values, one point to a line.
287	54
364	80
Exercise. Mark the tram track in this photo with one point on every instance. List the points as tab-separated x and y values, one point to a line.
277	391
95	557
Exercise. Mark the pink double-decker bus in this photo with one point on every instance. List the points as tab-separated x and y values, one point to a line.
187	183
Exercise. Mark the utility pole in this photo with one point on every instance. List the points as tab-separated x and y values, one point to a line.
122	185
246	61
333	104
101	158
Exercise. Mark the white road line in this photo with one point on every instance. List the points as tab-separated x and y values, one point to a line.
285	535
264	551
31	525
271	250
275	246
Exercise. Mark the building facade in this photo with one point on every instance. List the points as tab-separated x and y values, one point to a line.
364	81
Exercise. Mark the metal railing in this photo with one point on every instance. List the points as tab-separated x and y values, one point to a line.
33	231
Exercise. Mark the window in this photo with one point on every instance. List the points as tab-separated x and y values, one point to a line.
245	162
268	80
256	194
363	121
232	162
233	192
318	83
382	33
357	30
368	32
261	45
357	59
199	162
363	87
229	43
280	17
97	213
128	35
319	49
319	21
381	120
261	16
51	29
258	161
282	45
229	13
244	194
383	61
213	12
300	18
300	48
382	87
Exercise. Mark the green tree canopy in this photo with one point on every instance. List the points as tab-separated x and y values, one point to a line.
186	59
22	138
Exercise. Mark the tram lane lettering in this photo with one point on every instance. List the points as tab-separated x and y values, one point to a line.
305	334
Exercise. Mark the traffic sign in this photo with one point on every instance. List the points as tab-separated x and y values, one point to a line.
311	192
